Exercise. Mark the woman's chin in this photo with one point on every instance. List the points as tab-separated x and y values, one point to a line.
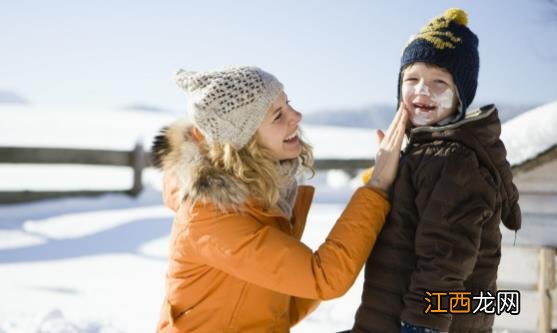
291	153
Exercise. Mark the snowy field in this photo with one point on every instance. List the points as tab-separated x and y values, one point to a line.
97	265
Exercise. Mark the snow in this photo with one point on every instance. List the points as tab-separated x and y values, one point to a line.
341	142
97	265
68	177
93	269
120	129
530	133
66	127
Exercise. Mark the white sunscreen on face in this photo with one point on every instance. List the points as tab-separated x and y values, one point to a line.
445	99
421	119
444	102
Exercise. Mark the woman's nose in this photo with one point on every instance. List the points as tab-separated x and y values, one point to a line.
296	117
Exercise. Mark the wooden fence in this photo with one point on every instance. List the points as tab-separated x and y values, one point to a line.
536	284
137	159
546	285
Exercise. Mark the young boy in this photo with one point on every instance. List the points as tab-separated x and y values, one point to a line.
453	187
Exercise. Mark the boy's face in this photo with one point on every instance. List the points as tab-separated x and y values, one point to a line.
428	93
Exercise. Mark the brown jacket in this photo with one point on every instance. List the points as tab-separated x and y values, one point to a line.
246	270
453	188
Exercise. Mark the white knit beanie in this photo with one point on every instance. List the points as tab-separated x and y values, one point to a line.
229	105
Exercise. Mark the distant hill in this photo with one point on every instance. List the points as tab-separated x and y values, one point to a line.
379	116
10	97
146	107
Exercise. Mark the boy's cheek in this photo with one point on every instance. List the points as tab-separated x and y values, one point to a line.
408	105
407	93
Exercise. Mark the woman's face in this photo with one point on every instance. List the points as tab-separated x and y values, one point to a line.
279	130
429	94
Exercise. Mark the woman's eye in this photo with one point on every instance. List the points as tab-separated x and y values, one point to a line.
410	79
277	117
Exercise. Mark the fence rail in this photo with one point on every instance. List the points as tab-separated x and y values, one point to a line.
65	156
138	159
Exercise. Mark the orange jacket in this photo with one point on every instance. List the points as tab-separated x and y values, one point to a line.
248	271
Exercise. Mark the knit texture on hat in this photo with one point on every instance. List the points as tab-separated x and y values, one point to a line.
229	105
447	42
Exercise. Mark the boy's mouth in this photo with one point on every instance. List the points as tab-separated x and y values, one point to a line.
424	107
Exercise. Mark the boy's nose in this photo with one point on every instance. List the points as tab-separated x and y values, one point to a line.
421	89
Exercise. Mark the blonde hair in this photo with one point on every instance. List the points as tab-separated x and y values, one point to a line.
255	166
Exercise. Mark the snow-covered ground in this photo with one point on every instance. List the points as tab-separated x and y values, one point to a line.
97	265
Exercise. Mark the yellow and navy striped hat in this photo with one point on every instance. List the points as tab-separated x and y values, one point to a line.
446	41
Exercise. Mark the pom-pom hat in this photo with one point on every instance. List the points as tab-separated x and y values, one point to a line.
446	41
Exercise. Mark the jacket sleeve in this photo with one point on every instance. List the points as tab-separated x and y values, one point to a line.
454	198
263	255
301	308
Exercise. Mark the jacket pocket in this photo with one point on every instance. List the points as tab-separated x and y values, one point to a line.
173	313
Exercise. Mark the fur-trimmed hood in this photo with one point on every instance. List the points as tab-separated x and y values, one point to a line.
177	151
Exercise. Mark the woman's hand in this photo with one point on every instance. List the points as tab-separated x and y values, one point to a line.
388	155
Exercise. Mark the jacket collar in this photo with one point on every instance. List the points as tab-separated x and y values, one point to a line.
480	131
176	150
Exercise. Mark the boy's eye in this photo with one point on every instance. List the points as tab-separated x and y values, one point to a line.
410	79
440	81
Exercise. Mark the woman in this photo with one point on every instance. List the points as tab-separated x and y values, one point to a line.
236	260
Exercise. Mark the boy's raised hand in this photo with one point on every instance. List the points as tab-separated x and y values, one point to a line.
388	154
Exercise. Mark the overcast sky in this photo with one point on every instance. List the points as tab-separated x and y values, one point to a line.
329	54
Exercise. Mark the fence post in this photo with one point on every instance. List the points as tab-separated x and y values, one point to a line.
545	284
138	163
